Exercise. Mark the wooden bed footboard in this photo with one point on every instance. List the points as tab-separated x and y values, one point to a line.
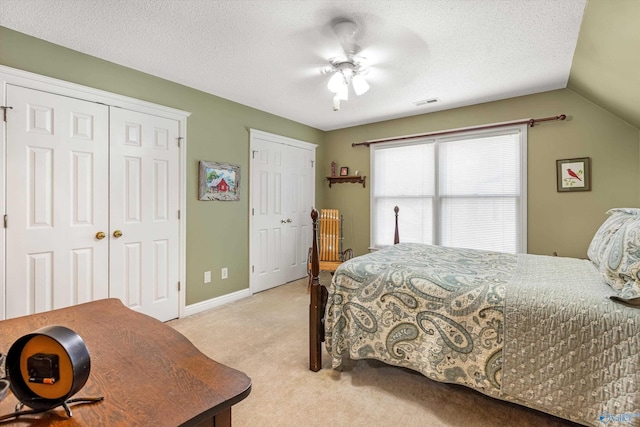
318	296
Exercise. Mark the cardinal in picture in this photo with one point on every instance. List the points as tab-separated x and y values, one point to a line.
573	174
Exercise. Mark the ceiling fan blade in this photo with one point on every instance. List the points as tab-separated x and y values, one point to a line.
346	31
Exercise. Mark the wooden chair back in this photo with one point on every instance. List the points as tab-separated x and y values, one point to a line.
329	235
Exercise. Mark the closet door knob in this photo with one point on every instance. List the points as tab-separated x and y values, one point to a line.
100	235
117	234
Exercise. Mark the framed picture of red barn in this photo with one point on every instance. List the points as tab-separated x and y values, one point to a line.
219	181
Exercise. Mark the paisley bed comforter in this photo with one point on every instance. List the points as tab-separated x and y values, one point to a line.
535	330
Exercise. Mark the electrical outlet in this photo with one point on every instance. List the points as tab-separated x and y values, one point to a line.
224	273
207	277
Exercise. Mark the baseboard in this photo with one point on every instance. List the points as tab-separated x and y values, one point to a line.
215	302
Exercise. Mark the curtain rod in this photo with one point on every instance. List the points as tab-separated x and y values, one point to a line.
530	122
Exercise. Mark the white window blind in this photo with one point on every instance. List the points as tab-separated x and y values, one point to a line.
467	190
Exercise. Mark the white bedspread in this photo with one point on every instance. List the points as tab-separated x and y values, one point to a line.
569	349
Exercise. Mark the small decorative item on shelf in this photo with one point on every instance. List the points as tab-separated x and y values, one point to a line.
333	168
357	173
344	171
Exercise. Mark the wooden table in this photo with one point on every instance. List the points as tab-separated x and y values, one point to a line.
148	373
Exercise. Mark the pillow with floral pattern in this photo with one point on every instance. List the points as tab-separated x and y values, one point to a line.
620	262
607	230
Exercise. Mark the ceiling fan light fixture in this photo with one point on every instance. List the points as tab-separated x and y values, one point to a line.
347	69
347	72
336	82
343	92
360	85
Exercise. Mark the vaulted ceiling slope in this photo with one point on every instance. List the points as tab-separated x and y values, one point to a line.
269	54
606	64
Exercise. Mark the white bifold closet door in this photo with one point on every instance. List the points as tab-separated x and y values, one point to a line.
79	174
57	202
282	194
144	201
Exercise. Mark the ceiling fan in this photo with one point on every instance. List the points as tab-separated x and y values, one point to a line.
347	69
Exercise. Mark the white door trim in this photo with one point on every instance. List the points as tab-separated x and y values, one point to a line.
30	80
276	139
279	139
61	87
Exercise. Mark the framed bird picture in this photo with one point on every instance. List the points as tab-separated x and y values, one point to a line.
574	174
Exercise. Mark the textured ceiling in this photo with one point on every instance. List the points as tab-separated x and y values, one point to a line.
268	54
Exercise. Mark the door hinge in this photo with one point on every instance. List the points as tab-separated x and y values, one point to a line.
4	111
6	217
180	138
252	269
178	213
253	154
253	211
179	287
312	163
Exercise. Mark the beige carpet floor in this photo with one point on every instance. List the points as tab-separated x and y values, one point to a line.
266	337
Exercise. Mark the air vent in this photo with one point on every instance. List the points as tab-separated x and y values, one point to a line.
426	102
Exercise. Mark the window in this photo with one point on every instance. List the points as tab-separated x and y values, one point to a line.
467	190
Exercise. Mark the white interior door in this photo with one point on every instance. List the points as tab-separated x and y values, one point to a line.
282	194
299	201
55	193
57	159
268	215
144	204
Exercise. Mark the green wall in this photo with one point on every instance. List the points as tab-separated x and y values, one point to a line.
217	130
557	222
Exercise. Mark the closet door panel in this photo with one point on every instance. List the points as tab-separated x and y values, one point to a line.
144	208
281	200
269	227
299	203
57	163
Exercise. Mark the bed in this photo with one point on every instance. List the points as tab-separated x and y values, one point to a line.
561	335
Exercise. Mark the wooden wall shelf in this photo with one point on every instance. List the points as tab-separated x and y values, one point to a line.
352	179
